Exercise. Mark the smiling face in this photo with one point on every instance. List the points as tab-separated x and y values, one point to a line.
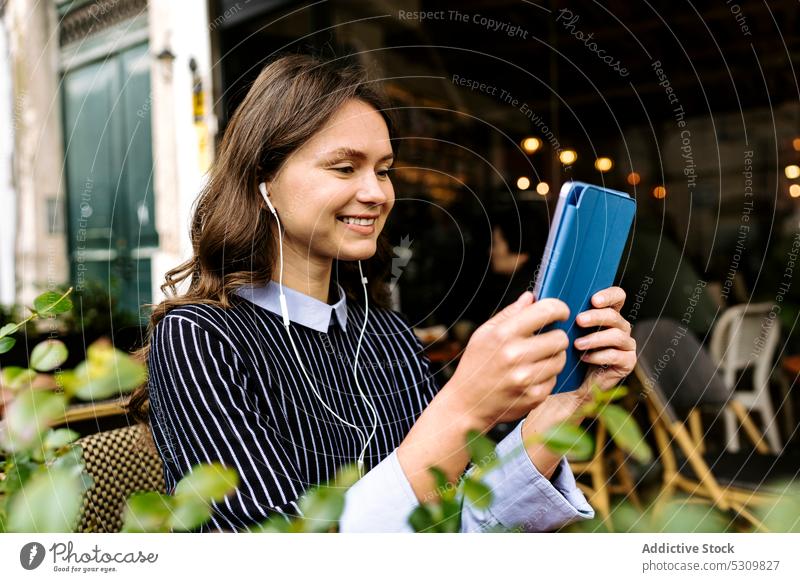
333	194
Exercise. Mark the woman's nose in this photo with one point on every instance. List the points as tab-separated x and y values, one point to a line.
370	191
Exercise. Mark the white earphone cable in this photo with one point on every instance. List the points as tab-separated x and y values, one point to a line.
355	369
286	324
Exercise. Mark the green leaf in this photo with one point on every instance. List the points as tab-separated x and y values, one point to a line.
147	512
275	524
101	353
52	303
48	355
680	515
40	456
28	417
451	512
481	449
50	501
8	329
67	380
72	458
6	343
347	476
83	383
439	477
625	432
627	519
570	440
600	398
421	519
479	495
321	508
609	395
18	473
206	483
107	372
444	489
56	439
130	373
16	378
188	514
440	520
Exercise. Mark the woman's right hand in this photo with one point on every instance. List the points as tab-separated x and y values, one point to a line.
506	370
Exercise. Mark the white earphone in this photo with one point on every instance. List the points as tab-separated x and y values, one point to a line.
262	187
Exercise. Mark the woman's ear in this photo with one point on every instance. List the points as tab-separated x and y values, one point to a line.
262	187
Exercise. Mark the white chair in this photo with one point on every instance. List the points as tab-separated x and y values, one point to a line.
746	336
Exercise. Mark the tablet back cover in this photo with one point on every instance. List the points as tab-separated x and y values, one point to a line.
587	237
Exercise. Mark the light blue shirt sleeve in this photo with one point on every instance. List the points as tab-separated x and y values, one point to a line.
382	500
523	497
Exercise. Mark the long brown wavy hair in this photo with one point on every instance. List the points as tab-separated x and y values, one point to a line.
231	230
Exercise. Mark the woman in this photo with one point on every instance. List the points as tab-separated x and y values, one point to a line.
276	362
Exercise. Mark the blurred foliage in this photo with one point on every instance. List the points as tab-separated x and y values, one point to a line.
679	514
43	476
321	507
685	514
187	509
568	438
96	310
43	479
782	513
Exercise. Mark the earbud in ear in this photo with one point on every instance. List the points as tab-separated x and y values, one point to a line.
262	187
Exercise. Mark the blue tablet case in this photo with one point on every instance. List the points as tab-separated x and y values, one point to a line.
587	237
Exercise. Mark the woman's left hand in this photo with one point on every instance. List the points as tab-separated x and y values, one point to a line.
611	351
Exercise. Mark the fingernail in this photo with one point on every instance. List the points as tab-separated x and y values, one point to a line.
583	318
580	343
524	297
600	298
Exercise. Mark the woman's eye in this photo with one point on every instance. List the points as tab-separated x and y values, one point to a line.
384	173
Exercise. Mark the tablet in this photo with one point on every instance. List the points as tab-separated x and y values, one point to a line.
587	237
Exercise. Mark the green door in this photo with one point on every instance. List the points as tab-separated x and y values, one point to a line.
109	167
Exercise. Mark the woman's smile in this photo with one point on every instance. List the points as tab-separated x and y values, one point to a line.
361	224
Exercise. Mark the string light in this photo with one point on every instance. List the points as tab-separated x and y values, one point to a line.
568	157
603	164
634	178
659	192
531	144
523	183
542	188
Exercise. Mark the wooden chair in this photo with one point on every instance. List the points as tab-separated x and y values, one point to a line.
676	373
608	475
